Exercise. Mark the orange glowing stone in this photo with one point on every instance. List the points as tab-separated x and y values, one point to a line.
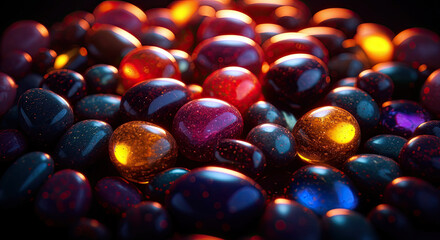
145	63
376	41
141	149
327	135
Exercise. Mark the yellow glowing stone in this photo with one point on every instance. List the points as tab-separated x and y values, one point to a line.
328	135
141	149
378	48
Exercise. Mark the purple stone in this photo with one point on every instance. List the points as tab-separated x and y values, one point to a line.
200	124
402	117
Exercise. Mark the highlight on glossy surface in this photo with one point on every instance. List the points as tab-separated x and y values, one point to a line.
8	91
145	63
430	93
341	18
376	41
141	149
327	135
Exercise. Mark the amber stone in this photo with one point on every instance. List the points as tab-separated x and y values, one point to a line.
141	149
328	135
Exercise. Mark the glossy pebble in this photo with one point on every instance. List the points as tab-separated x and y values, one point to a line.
240	156
101	78
402	117
83	144
200	124
8	91
116	195
21	181
160	184
429	95
431	127
420	157
66	83
64	198
275	141
390	222
40	109
104	107
378	85
387	145
141	149
417	199
287	219
347	224
322	188
146	220
327	135
156	100
263	112
215	200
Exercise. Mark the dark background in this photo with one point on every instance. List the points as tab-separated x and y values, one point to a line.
397	15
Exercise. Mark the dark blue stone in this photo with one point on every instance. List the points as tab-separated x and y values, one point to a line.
371	173
89	228
13	143
417	199
160	184
64	198
344	224
21	181
420	157
262	112
156	101
215	200
145	220
407	82
345	65
31	80
387	145
69	84
104	107
9	120
115	195
240	156
44	116
428	128
378	85
101	78
275	141
322	188
358	103
287	219
391	223
402	117
83	144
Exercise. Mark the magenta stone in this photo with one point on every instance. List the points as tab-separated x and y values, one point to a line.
25	35
200	124
430	93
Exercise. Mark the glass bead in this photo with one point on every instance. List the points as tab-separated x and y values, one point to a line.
235	85
140	149
322	188
327	135
284	44
64	198
156	100
201	123
402	117
146	63
226	50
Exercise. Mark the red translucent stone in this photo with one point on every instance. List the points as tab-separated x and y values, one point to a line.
145	63
107	44
25	35
8	90
340	18
200	124
16	63
121	14
227	22
289	43
195	90
235	85
418	46
226	50
430	93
